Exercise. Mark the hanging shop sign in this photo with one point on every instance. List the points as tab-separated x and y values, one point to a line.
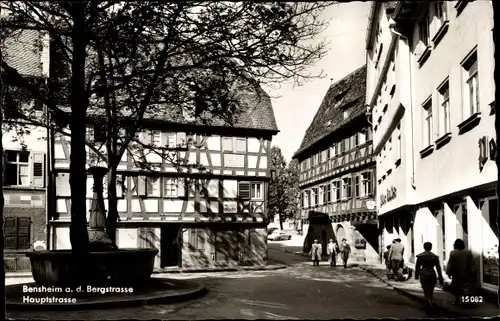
389	195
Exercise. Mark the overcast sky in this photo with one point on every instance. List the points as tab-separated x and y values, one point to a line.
296	107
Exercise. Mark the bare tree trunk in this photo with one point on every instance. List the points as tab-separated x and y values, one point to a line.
78	177
112	218
281	219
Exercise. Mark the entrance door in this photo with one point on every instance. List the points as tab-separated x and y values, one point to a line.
340	233
170	245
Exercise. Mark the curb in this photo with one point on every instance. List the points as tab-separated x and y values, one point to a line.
191	294
224	269
413	296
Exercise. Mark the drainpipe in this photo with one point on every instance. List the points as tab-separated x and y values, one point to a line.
48	177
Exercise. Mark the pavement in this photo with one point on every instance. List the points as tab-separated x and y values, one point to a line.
300	291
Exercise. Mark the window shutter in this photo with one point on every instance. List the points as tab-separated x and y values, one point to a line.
181	139
358	189
244	190
23	233
227	144
141	188
38	170
10	230
241	145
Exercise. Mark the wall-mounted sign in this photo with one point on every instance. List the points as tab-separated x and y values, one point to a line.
389	195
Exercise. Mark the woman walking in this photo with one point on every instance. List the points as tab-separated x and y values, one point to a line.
424	270
316	252
460	269
345	250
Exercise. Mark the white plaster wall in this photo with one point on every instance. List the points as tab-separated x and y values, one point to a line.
62	238
127	238
253	145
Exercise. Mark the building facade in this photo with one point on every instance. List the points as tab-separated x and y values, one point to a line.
24	155
432	96
337	170
214	214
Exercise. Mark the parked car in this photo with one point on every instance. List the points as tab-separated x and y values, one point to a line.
270	230
279	235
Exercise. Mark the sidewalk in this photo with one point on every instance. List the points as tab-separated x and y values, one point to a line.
443	300
273	265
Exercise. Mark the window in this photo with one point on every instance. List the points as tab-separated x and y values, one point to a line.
334	150
315	196
444	104
423	31
398	143
346	113
307	198
361	138
471	86
441	14
153	186
328	154
197	239
17	168
356	140
24	168
322	194
17	233
302	197
328	193
156	138
170	187
170	140
99	133
234	144
320	158
389	153
366	184
244	190
427	132
336	190
346	187
257	191
342	146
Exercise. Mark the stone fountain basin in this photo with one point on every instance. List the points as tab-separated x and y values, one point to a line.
114	267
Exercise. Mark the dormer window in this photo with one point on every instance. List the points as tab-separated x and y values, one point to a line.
346	113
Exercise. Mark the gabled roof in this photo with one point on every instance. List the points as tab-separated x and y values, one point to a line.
346	94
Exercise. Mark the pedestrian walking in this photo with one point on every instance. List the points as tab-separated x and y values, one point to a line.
316	252
345	250
461	270
424	270
388	263
332	251
396	257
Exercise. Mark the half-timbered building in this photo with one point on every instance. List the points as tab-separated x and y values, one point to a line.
211	214
337	168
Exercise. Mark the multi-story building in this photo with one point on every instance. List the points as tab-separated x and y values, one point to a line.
24	155
208	216
431	90
337	170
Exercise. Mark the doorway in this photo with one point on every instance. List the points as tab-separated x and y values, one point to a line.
171	245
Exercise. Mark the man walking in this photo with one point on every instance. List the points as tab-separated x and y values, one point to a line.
332	251
345	250
396	257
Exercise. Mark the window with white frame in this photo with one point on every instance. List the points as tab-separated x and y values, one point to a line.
156	138
153	186
17	168
444	107
471	85
427	126
362	137
337	191
257	190
234	144
314	196
170	187
307	195
171	140
423	31
334	150
366	183
320	157
322	194
328	193
346	188
24	168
